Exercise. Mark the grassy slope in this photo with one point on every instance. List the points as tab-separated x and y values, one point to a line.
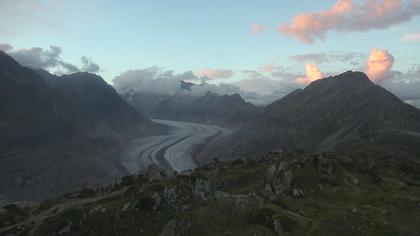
342	195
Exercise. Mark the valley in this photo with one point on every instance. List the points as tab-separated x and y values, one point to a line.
209	118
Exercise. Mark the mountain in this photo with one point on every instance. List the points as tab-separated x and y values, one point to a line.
341	112
282	194
59	133
211	108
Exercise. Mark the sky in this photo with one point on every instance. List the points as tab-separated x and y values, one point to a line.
267	47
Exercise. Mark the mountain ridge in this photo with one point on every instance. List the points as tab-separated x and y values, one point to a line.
59	133
327	114
211	108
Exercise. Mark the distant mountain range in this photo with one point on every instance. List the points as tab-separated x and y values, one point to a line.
58	133
62	132
345	112
211	108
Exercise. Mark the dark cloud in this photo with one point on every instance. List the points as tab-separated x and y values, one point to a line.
5	47
405	85
37	57
89	66
69	68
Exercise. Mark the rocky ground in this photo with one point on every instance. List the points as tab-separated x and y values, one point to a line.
285	193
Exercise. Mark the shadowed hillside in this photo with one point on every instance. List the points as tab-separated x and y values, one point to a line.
59	133
329	114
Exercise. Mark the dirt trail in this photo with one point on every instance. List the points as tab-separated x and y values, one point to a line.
34	221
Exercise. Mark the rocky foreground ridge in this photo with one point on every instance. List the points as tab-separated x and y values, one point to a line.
284	193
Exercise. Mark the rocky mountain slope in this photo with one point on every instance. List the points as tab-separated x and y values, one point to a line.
58	133
329	114
224	110
282	194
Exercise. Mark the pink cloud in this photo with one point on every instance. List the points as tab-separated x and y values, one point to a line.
215	73
348	16
257	28
379	64
313	73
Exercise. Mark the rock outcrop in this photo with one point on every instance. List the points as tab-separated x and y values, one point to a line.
326	194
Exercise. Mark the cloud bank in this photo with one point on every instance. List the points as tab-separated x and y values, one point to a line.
347	16
405	85
255	87
48	59
155	80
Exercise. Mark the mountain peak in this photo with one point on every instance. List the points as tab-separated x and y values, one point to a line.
354	76
328	113
346	78
348	81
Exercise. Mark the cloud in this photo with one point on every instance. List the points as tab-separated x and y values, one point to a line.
313	73
347	16
69	68
413	38
37	57
257	28
310	58
5	47
151	80
259	83
320	58
270	68
155	80
48	59
379	64
256	88
215	73
405	85
89	66
262	89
